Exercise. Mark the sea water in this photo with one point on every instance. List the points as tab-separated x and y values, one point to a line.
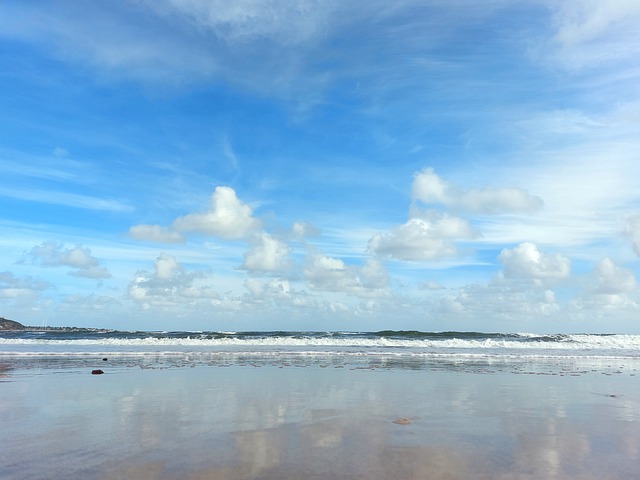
409	343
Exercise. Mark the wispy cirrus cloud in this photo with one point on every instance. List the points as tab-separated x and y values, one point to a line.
591	34
74	200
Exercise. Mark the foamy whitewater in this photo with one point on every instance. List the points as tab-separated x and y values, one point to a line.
90	342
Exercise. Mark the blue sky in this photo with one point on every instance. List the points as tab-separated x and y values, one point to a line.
303	165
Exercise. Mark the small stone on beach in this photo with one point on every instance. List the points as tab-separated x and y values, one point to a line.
402	421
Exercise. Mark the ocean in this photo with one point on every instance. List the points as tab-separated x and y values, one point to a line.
393	349
410	343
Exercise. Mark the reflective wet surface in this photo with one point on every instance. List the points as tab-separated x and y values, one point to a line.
316	418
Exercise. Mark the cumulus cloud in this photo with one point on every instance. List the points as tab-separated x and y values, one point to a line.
330	274
155	233
429	188
268	255
268	289
53	254
611	287
493	302
168	285
527	262
612	279
167	267
228	218
428	238
279	292
633	231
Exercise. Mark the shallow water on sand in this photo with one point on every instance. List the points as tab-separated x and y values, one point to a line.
252	418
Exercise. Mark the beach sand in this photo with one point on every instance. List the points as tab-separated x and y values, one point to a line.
318	419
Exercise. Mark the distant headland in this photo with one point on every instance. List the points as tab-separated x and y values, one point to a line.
6	324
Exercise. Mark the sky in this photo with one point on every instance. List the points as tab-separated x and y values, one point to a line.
468	165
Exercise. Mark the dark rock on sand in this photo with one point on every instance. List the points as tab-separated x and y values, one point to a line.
403	421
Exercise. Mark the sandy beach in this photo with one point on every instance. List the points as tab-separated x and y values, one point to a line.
262	419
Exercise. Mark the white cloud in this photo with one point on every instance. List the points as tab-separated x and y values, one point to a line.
279	293
590	33
612	279
263	45
52	254
12	287
155	233
228	217
429	188
586	174
427	238
166	267
611	293
495	307
250	20
330	274
633	231
302	230
268	255
273	288
170	285
527	262
74	200
430	285
257	44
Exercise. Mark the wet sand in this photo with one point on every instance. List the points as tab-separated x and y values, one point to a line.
320	420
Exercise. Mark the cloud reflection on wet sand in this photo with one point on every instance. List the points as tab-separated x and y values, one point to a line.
320	423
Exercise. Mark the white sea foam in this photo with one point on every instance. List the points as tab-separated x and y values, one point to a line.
565	342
